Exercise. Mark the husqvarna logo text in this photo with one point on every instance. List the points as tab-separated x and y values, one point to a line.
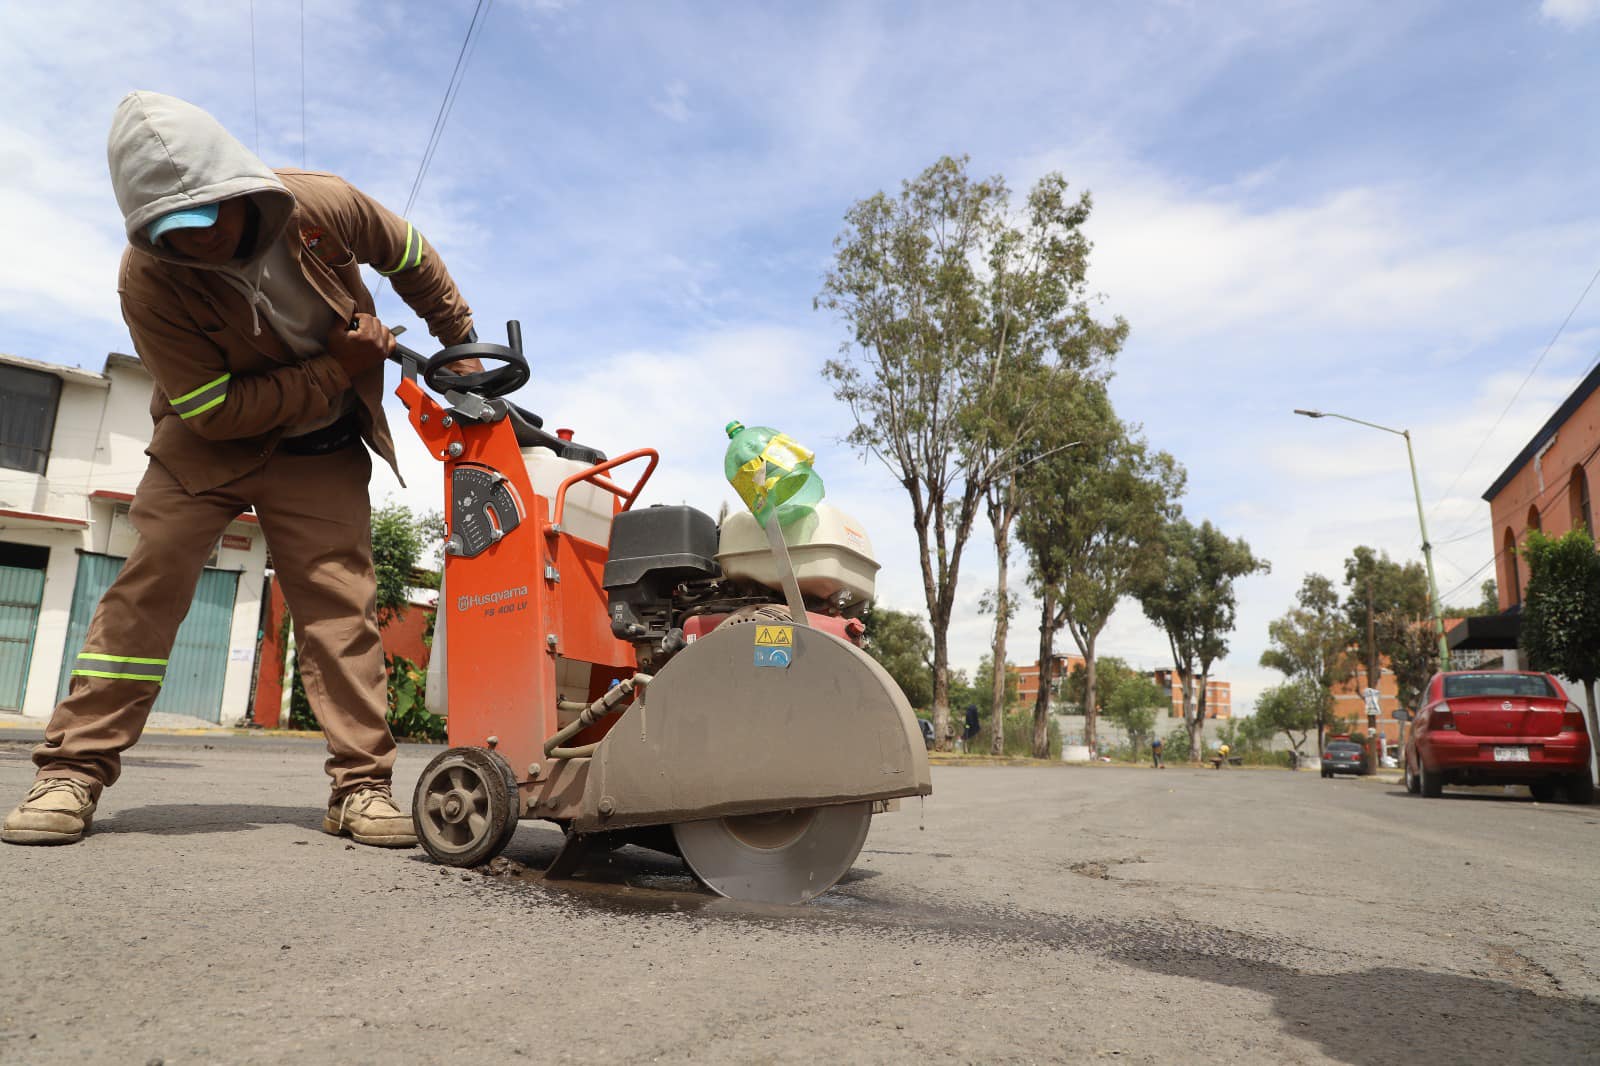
488	599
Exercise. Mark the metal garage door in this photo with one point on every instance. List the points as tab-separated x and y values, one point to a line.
198	664
20	592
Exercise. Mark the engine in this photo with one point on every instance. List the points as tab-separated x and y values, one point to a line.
672	575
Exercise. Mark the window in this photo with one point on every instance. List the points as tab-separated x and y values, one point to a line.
1533	517
27	417
1513	575
1463	686
1578	500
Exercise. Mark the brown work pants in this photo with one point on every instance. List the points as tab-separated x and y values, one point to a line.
317	520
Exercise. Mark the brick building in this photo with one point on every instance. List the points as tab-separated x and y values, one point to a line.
1028	677
1219	694
1546	487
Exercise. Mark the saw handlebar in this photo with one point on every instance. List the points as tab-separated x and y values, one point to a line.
511	375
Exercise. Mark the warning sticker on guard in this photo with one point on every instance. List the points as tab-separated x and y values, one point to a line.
774	646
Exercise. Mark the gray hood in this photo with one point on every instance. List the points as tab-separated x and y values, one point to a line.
166	154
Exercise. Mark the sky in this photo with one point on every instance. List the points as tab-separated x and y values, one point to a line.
1376	208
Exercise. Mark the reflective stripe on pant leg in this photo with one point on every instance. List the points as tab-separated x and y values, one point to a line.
119	667
117	676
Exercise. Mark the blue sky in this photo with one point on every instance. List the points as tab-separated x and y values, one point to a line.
1376	208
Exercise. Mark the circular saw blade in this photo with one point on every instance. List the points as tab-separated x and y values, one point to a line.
780	857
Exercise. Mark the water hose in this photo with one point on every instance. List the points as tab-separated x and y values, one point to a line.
592	713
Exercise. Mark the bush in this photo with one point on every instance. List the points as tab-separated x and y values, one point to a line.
408	717
1018	740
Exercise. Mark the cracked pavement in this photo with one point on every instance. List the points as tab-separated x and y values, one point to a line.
1023	914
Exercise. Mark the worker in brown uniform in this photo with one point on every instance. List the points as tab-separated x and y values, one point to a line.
242	291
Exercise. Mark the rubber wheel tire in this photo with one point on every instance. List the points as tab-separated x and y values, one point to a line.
1413	786
1429	783
476	774
1326	775
1543	791
1580	789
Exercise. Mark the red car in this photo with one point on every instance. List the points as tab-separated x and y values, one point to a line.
1500	727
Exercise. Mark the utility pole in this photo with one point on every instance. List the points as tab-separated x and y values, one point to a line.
1422	524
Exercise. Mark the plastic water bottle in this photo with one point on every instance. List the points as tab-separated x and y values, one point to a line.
771	471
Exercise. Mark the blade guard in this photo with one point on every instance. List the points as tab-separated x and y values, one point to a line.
715	734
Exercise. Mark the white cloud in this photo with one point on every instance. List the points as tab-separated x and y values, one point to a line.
675	105
1570	13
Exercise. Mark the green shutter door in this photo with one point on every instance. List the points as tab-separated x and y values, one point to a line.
198	665
20	592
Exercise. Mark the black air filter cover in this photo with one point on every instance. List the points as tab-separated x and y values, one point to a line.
675	542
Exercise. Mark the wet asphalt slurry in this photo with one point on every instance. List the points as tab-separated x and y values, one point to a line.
1024	915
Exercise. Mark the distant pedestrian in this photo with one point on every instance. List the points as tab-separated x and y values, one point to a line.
1155	753
971	730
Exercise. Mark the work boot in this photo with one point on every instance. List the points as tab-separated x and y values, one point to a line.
57	810
368	816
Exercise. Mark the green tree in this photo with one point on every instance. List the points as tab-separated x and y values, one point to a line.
899	641
1312	640
1092	520
1294	708
1131	700
945	295
1189	593
1561	610
1377	587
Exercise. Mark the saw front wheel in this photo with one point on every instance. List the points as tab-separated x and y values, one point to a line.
465	807
777	857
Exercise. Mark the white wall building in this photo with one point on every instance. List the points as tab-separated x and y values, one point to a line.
71	454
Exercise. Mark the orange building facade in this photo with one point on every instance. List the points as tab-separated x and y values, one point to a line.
1028	677
1219	694
1546	487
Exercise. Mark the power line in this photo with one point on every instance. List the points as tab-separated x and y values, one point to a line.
255	96
1536	365
452	89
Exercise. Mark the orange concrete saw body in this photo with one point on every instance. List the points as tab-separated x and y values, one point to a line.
762	778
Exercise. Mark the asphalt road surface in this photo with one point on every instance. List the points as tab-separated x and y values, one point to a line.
1048	914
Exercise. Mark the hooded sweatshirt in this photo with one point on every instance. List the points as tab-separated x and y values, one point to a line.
235	349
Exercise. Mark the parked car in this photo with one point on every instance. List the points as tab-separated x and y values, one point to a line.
1500	727
927	733
1343	757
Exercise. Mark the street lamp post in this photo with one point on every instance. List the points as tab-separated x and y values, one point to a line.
1422	522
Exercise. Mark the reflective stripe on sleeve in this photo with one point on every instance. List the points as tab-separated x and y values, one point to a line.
202	399
119	667
411	256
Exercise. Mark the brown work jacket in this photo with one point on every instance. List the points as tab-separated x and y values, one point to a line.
195	333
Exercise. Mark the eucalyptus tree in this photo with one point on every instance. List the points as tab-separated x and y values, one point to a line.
1094	520
1312	641
1189	594
954	307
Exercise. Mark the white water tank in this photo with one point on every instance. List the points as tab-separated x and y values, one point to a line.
830	551
589	507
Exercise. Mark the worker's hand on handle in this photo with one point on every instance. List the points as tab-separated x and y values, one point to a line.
466	366
361	345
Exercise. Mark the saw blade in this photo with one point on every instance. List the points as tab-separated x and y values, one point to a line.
777	857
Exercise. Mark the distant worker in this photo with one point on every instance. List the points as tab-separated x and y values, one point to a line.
241	288
1222	756
971	730
1155	753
